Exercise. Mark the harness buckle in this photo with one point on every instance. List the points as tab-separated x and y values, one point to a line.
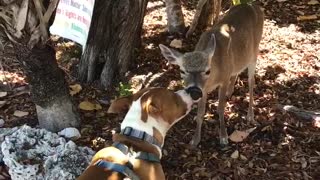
127	131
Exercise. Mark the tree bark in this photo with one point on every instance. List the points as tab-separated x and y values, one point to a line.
49	90
26	24
114	34
207	14
175	18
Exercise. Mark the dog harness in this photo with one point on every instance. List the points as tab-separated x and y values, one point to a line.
123	169
131	132
141	135
146	156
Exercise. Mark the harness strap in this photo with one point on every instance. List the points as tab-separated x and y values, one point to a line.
148	157
123	169
129	131
139	155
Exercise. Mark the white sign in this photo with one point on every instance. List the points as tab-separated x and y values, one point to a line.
72	20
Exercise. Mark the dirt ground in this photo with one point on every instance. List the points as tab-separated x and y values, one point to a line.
283	146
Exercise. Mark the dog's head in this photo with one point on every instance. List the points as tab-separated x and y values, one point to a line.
159	103
153	110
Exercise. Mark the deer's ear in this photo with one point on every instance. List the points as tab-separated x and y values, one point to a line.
211	46
171	55
120	105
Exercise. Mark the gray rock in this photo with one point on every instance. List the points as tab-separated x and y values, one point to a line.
70	133
5	132
36	154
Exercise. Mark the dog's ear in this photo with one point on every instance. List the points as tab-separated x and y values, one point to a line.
154	105
153	108
120	105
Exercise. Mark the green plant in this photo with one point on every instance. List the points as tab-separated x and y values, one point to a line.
236	2
124	89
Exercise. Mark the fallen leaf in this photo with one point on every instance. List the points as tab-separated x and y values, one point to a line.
88	106
235	154
176	43
239	136
244	158
1	123
313	2
165	152
20	113
316	122
3	94
307	17
2	102
75	89
303	162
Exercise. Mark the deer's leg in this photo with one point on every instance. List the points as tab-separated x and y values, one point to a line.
222	103
231	86
251	71
200	113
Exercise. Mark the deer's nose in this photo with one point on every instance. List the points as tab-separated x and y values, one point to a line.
194	92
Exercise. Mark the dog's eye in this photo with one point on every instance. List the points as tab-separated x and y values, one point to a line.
208	72
182	72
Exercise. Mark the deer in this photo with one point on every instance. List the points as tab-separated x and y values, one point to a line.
221	54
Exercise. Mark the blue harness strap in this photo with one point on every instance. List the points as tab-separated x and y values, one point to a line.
127	169
123	169
148	157
129	131
139	155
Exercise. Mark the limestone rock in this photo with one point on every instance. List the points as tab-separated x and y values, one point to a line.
34	154
5	132
70	133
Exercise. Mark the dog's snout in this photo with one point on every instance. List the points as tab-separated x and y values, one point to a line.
194	92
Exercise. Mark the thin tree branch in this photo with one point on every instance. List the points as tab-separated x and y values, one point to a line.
50	10
195	20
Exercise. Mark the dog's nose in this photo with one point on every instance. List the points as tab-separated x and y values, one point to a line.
194	92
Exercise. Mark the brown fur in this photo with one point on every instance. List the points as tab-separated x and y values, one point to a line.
222	53
160	103
157	135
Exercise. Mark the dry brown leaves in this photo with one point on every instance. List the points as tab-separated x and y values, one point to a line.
288	73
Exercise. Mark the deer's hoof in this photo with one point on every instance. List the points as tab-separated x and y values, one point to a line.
251	121
195	141
224	142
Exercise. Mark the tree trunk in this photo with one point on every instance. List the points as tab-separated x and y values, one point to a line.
175	18
49	90
26	24
114	34
207	14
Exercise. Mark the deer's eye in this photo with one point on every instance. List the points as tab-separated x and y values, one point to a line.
182	72
208	72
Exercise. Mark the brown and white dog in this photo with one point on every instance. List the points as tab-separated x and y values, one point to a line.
152	111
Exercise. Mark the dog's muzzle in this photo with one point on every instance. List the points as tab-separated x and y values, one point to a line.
194	92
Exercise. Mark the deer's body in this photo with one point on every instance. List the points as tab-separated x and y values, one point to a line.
220	55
